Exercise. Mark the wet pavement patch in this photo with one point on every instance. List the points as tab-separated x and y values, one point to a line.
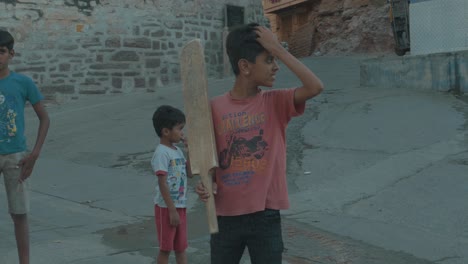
139	238
307	244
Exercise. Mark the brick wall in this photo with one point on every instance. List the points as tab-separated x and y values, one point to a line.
74	47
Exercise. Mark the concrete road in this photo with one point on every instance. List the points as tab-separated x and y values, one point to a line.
375	177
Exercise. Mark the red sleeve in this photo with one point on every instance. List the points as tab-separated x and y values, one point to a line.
161	173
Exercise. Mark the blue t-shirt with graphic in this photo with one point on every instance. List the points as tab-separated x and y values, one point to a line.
15	90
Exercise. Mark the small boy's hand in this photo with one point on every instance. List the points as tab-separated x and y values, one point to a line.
185	141
267	39
174	218
26	164
203	193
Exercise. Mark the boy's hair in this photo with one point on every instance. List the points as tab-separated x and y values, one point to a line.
241	43
6	39
167	116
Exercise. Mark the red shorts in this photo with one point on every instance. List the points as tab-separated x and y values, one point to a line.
171	238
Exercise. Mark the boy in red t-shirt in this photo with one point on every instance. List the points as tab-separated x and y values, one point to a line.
250	130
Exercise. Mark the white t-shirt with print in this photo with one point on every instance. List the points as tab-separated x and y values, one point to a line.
172	163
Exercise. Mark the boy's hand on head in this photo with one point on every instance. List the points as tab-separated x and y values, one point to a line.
26	164
267	39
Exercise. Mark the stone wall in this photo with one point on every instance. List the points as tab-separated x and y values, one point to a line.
73	47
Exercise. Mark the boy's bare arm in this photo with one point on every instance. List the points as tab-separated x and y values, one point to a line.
164	189
27	163
311	84
44	123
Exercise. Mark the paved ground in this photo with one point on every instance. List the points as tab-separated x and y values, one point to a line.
375	177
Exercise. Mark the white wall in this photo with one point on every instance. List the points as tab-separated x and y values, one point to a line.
438	26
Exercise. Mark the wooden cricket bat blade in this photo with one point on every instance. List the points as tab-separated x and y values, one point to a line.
199	123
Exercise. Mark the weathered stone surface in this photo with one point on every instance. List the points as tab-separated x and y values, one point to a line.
117	82
113	42
144	43
90	42
153	63
97	74
355	3
31	69
109	66
156	45
64	67
174	24
64	89
125	56
140	83
93	89
330	6
158	33
68	47
131	74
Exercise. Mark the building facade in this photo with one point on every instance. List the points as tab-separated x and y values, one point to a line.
74	47
290	20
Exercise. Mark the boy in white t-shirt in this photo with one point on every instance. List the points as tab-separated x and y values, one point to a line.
171	169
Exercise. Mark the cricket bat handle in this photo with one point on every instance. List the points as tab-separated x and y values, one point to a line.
210	205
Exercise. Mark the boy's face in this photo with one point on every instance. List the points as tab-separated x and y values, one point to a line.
264	70
176	134
5	56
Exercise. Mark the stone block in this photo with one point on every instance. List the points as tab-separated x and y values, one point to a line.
156	45
113	42
174	24
125	56
140	83
90	42
31	69
28	13
63	14
97	73
158	34
68	47
131	74
64	67
109	66
93	89
143	43
63	89
117	82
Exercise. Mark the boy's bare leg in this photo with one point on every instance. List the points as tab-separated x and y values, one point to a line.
181	257
22	236
163	257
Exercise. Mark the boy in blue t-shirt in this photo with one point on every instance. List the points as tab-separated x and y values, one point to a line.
16	164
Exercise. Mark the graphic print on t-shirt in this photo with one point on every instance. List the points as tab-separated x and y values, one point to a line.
175	181
7	118
245	147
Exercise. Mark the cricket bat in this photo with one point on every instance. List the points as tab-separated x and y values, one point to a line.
199	123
